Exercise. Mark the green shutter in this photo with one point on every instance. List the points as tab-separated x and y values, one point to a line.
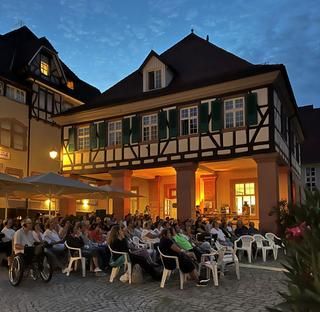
93	136
102	134
252	108
136	129
173	123
72	139
203	117
162	122
126	131
217	117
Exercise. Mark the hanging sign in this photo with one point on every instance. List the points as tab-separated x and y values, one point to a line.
4	155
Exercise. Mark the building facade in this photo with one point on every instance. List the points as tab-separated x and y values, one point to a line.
310	151
195	127
34	85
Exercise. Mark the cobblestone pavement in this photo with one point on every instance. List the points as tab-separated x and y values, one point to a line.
257	289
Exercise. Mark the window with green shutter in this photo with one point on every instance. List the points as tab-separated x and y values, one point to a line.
173	123
162	120
136	129
93	136
102	134
217	114
252	108
126	131
203	117
72	139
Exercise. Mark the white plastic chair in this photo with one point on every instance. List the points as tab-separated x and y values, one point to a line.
127	265
227	256
136	241
271	237
247	241
259	239
75	255
166	272
209	262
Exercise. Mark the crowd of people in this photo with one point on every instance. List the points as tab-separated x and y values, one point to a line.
187	240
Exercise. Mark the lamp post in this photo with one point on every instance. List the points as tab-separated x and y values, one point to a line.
53	155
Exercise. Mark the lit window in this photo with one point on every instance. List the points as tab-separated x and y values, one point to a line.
154	80
234	113
83	138
44	65
245	198
70	84
114	132
189	120
150	127
311	178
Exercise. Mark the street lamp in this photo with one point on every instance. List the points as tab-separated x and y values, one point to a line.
53	154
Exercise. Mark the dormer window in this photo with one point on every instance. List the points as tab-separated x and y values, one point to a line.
44	65
154	79
70	84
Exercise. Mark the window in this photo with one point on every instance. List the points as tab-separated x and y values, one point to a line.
83	138
12	134
44	65
154	79
189	120
245	198
16	94
114	132
311	178
150	127
234	113
70	84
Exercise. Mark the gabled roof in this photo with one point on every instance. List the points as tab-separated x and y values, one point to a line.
310	148
16	50
194	61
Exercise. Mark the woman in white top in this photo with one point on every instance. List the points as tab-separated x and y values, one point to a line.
37	233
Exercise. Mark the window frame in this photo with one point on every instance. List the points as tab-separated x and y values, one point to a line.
311	178
44	65
15	96
83	140
189	118
255	194
234	111
12	133
149	126
157	81
114	132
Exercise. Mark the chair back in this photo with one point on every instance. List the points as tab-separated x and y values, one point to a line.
247	241
136	241
258	238
161	256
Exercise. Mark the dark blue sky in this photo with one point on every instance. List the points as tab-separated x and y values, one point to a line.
103	41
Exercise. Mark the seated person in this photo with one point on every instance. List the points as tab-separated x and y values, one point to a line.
220	235
118	242
75	240
147	234
6	237
252	230
37	233
170	248
241	229
95	233
23	237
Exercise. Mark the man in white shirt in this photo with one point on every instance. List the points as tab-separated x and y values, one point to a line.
23	236
220	235
8	231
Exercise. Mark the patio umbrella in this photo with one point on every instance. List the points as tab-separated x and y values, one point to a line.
113	192
12	185
53	185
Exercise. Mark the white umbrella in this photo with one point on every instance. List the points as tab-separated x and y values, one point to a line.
12	185
54	185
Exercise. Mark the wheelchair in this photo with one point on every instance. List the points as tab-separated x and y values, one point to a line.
34	262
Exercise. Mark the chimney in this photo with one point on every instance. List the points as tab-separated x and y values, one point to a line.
207	38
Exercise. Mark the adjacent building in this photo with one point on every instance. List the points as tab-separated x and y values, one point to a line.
195	126
34	85
310	152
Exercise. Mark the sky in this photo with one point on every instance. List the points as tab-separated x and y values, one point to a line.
103	41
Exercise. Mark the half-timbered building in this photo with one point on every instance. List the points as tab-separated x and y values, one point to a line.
34	85
193	126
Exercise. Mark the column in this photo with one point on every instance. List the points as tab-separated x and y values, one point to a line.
284	184
186	190
154	196
67	207
121	179
268	191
